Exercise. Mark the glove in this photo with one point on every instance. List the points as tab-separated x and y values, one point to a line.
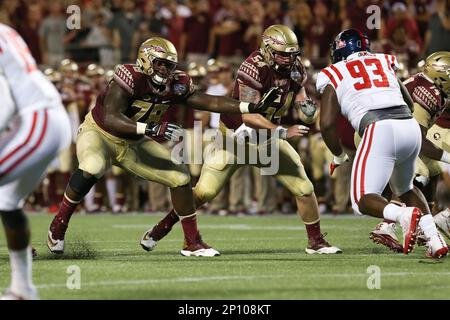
166	130
337	161
266	101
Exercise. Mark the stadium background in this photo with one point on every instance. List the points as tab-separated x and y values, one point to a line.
212	37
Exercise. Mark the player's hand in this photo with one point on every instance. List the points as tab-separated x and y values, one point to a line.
266	101
296	131
308	107
166	130
337	161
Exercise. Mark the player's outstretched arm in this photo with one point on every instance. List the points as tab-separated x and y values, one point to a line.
328	119
430	150
219	104
116	102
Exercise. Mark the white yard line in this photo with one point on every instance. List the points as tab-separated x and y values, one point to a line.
233	278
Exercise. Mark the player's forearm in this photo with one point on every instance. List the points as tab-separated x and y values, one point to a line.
257	121
409	101
123	126
219	104
329	136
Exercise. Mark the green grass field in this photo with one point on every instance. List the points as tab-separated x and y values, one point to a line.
262	258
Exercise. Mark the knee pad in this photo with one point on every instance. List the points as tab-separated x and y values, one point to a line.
14	219
205	193
179	179
81	184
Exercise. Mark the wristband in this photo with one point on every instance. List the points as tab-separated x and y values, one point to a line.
140	128
340	159
445	157
243	106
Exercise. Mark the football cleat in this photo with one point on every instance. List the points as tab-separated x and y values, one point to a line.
384	233
30	295
442	220
409	220
55	238
421	238
147	241
320	246
436	247
198	248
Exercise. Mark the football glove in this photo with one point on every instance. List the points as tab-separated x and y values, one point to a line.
308	107
337	161
166	130
266	101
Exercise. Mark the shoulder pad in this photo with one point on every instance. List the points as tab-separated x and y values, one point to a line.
127	76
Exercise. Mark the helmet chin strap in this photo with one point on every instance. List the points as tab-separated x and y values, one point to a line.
158	79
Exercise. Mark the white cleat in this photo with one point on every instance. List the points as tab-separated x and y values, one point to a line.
55	246
29	295
442	220
210	252
409	221
321	246
385	234
324	250
147	242
437	248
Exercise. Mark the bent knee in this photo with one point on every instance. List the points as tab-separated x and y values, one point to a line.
205	193
94	165
178	179
302	189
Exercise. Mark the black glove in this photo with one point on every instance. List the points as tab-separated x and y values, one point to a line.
166	130
266	101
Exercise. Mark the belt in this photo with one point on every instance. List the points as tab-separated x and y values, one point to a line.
397	112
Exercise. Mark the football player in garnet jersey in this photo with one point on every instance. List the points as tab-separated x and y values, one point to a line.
429	90
276	63
363	87
121	129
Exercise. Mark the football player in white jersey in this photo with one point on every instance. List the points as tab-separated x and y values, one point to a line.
34	131
363	87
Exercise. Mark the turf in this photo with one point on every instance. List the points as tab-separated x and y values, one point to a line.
262	258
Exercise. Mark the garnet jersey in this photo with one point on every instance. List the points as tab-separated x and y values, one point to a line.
146	103
429	101
363	82
255	73
444	120
30	89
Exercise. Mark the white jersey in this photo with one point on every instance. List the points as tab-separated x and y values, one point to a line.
363	82
8	108
29	87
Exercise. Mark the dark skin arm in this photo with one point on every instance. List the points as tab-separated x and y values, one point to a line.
409	101
116	102
202	101
328	119
428	148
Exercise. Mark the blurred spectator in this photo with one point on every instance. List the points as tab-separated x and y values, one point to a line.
273	13
252	37
29	30
320	33
300	18
437	37
401	18
406	50
174	14
354	15
123	24
421	10
194	39
151	25
226	35
99	36
52	32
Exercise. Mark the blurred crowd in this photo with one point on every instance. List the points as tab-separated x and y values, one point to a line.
212	37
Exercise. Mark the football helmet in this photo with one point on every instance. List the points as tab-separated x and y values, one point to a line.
437	68
348	42
53	75
279	46
93	70
68	66
157	58
195	70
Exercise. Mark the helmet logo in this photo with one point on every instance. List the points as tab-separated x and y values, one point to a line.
157	49
269	38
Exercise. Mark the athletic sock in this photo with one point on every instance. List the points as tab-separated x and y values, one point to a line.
190	229
165	225
428	226
313	230
391	212
66	210
21	273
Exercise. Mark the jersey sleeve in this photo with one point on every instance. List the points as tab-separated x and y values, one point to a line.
322	81
126	77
